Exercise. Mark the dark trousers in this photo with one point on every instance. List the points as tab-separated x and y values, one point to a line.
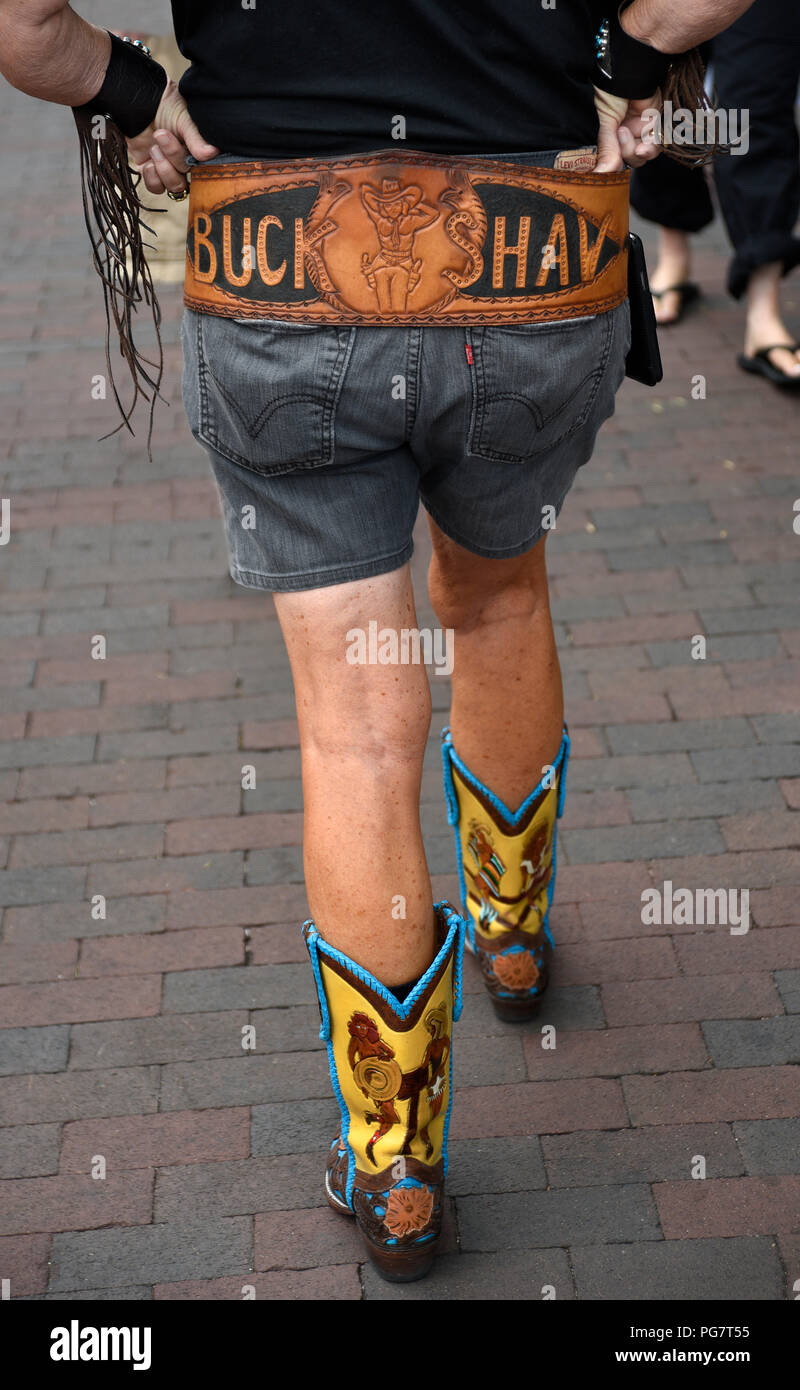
756	69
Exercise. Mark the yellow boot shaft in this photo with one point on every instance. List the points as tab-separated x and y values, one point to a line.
393	1076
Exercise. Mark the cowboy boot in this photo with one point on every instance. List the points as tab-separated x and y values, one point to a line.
507	869
391	1069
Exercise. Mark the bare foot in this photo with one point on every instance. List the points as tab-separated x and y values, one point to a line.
784	359
667	273
764	325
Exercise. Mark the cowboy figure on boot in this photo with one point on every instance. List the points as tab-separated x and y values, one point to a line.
472	374
380	1078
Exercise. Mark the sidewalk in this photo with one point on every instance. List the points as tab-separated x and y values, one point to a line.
570	1168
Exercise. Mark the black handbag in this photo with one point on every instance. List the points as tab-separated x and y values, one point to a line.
643	362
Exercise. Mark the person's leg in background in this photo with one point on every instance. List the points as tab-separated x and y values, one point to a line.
757	67
676	198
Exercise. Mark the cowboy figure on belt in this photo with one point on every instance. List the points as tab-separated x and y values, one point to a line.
398	214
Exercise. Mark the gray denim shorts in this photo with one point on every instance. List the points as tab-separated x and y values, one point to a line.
323	440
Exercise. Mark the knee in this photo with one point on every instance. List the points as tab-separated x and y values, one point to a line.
381	717
487	592
355	701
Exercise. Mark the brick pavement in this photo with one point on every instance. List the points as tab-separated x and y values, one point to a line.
571	1167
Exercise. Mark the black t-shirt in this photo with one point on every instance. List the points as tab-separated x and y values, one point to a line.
310	77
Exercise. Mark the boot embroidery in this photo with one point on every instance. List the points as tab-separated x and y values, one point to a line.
378	1075
516	969
409	1208
390	1063
435	1063
536	859
406	1214
507	872
488	869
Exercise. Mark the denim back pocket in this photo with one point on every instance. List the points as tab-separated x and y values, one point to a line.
534	384
266	392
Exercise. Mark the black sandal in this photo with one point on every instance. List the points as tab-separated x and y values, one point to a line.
760	365
689	294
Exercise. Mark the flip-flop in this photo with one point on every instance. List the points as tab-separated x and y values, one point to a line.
760	365
689	294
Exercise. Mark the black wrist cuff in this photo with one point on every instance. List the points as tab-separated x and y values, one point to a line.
132	90
625	67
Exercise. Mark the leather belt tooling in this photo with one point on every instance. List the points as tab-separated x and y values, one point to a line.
415	239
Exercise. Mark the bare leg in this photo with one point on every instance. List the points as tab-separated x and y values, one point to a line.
508	704
363	730
672	268
765	323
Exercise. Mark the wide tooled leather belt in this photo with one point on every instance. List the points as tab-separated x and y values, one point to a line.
410	239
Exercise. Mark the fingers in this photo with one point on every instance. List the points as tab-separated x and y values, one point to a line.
633	151
172	179
627	143
150	178
625	132
194	141
618	148
174	124
610	112
609	159
140	154
609	164
635	161
161	153
636	152
139	147
172	147
646	151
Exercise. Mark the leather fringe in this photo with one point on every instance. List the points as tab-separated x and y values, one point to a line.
685	89
112	212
